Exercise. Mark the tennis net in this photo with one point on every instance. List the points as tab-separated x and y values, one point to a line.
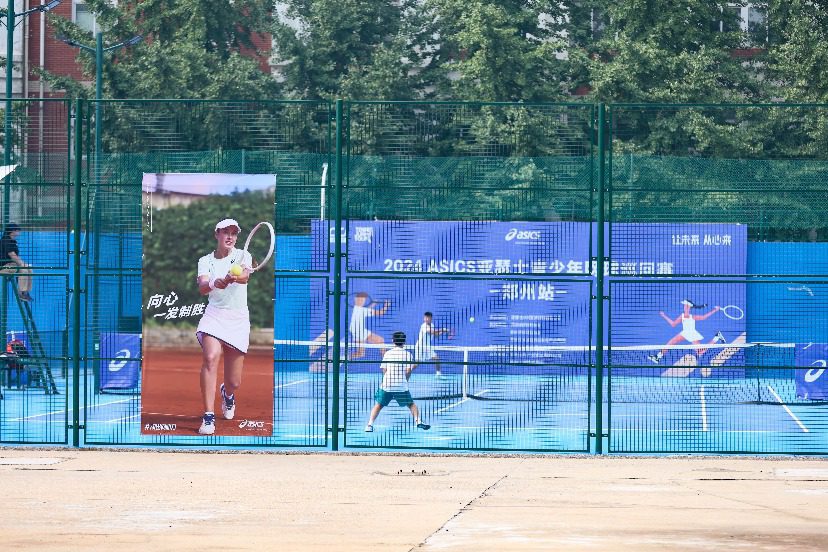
731	373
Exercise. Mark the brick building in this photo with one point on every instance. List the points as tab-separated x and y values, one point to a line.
35	46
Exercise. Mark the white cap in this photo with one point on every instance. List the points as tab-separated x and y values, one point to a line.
227	222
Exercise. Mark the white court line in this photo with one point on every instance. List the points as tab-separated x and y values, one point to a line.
703	408
291	383
788	410
460	402
88	407
116	420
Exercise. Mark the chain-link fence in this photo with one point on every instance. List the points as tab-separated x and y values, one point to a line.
568	277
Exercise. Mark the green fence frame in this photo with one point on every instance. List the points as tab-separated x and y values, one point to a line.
765	166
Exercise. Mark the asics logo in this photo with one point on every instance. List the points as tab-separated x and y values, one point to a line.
812	375
251	424
515	234
117	365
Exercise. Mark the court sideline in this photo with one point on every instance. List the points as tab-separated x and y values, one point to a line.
58	499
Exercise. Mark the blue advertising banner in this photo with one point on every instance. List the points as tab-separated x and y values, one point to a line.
518	312
812	382
542	281
677	312
120	364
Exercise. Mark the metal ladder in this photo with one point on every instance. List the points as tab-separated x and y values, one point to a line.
36	362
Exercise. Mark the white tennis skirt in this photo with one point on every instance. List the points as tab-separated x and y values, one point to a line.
232	326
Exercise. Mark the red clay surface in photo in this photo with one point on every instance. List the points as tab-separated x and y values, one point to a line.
171	393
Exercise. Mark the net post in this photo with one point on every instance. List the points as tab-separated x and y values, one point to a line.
465	383
322	188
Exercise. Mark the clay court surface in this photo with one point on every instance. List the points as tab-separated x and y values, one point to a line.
165	500
171	393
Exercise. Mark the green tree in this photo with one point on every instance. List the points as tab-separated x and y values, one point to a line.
198	50
798	56
667	51
191	49
348	48
488	50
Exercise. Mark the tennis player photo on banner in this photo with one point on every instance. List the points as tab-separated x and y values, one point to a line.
207	290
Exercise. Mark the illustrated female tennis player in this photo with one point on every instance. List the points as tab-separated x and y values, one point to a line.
688	328
225	326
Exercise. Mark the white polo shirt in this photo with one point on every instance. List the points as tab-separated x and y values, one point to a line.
233	296
395	361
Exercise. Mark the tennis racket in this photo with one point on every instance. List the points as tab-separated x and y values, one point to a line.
260	244
733	312
449	333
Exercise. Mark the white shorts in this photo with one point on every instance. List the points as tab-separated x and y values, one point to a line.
360	335
232	326
692	335
424	355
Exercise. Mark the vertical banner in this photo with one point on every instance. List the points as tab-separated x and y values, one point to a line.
198	337
120	367
811	379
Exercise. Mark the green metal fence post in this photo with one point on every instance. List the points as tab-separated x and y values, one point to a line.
599	292
76	302
337	271
7	150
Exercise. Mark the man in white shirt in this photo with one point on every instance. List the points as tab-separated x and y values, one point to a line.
396	370
424	349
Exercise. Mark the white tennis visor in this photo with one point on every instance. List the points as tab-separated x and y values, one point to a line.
227	222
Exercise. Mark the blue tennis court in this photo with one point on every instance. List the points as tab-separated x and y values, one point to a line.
749	414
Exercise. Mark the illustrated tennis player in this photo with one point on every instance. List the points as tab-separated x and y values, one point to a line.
358	328
424	348
224	329
688	332
396	370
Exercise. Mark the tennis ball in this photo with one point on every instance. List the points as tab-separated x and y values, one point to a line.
236	270
471	318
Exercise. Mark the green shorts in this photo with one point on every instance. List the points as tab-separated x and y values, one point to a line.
403	398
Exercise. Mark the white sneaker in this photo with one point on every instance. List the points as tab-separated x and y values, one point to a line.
369	428
208	424
228	406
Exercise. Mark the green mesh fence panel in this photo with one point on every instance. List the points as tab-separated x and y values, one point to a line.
34	376
469	165
749	384
759	171
288	139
